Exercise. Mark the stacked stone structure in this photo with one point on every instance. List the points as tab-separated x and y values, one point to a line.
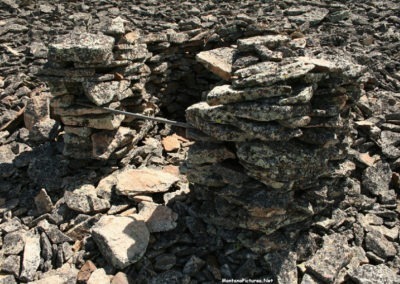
273	136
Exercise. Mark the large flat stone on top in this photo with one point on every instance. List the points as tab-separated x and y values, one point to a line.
121	240
84	47
132	182
219	61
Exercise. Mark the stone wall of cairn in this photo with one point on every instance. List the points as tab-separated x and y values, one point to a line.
87	71
271	141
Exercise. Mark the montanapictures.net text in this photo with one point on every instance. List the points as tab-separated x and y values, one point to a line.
245	280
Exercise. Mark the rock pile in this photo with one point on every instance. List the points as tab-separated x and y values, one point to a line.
274	138
86	71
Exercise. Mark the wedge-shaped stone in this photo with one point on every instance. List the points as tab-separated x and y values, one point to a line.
271	76
270	41
219	61
133	182
104	92
121	240
102	121
83	47
225	94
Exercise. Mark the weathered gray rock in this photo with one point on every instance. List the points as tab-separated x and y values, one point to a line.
193	265
11	264
43	202
270	41
225	94
371	274
6	161
158	218
283	266
313	15
378	244
275	74
305	163
83	47
14	242
105	143
209	153
376	179
121	240
7	279
131	182
330	259
30	258
104	92
85	202
165	262
53	233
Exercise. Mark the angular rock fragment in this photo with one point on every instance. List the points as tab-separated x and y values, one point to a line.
30	258
376	178
85	202
104	92
225	94
14	242
219	61
378	244
275	75
158	218
369	273
43	202
133	182
270	41
333	256
121	240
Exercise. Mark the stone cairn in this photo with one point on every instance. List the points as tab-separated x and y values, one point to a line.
87	71
271	142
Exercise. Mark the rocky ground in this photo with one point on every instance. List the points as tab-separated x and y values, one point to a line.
60	216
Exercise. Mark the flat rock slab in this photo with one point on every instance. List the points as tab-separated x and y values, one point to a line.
84	47
219	61
121	240
133	182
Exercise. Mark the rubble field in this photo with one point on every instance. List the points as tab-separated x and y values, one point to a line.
283	165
